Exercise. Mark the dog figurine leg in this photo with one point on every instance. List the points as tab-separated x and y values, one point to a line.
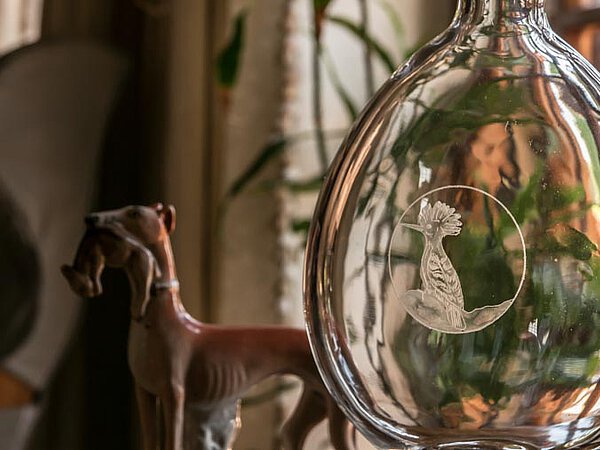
173	403
341	433
309	412
147	412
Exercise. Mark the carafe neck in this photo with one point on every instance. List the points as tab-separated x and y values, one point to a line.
503	15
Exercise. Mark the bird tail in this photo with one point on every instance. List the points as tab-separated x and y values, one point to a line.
456	318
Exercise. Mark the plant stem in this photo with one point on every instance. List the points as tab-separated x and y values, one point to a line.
368	60
318	104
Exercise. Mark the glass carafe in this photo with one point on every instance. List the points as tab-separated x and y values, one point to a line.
452	276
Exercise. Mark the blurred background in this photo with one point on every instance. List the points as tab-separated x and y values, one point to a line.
231	110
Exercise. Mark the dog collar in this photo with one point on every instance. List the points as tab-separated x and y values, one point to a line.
164	285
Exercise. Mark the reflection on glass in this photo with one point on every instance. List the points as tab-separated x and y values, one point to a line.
452	274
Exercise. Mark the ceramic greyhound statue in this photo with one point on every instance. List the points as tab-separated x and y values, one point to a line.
193	368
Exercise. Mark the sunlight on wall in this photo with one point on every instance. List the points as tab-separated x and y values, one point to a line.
20	23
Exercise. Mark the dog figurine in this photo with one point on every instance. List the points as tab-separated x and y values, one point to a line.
190	367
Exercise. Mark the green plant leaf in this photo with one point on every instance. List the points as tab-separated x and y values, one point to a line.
392	14
310	185
271	150
573	241
321	5
228	61
561	198
301	226
524	206
358	31
268	153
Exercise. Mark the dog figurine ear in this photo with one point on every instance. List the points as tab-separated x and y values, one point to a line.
168	218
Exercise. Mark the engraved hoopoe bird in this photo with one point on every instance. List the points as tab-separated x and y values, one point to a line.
438	276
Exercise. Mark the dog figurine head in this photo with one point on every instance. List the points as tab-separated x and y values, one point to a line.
148	224
120	239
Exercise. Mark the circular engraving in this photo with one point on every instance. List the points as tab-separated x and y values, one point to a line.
436	297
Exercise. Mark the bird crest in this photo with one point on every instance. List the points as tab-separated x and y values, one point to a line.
435	297
442	215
